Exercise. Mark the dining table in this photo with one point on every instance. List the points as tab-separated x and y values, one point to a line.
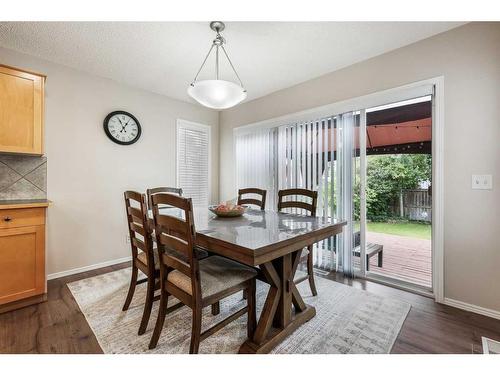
272	242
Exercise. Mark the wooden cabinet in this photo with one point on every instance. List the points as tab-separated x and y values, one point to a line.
21	111
22	257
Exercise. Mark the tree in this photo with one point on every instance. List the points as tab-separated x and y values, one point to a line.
386	176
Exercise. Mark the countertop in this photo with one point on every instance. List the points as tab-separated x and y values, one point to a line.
23	203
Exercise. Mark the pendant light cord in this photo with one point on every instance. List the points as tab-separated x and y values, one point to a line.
234	70
203	64
217	62
221	41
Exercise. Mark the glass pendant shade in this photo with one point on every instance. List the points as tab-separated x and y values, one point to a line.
217	93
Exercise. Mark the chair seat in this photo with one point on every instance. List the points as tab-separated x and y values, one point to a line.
216	275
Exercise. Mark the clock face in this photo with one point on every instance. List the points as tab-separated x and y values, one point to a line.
122	127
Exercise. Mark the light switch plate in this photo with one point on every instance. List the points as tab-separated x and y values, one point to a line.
482	181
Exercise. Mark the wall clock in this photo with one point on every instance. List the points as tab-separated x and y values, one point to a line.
122	127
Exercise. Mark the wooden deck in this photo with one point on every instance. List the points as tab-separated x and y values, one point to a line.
405	258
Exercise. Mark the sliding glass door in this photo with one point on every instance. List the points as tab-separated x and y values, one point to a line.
371	167
395	193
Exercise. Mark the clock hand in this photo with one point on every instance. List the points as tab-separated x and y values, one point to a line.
121	123
123	127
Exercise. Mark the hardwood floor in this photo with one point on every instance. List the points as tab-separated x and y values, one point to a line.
58	326
431	327
55	326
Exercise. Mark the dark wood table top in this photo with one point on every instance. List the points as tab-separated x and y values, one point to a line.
257	233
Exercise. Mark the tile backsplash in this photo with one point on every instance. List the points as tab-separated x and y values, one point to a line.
23	177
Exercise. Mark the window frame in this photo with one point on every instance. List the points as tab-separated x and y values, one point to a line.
392	95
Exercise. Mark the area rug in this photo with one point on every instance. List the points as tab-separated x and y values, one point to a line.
347	320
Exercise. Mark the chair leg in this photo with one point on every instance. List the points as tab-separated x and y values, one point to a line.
252	315
367	263
148	305
162	311
195	330
380	257
310	271
131	289
216	308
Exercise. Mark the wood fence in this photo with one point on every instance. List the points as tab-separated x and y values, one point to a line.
417	205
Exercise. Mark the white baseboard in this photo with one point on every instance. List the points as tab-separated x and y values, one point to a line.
472	308
87	268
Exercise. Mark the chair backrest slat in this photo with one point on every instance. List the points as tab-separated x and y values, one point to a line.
171	200
174	225
163	189
260	203
139	244
135	212
138	224
173	243
136	227
250	201
296	204
296	193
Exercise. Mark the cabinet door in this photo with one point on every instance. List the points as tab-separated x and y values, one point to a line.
22	263
21	111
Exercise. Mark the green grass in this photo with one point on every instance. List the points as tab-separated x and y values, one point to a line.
415	230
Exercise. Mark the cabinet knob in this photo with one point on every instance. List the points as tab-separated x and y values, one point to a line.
7	218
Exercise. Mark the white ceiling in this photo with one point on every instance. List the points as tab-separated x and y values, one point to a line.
164	57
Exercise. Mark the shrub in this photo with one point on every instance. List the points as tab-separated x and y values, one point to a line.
386	177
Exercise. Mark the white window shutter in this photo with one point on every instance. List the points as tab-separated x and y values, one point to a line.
193	154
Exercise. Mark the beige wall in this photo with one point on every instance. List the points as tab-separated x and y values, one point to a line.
469	59
87	173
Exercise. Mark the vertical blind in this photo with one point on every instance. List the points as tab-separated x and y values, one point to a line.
310	155
193	147
255	162
313	155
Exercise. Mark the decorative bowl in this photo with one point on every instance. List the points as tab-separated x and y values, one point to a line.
228	211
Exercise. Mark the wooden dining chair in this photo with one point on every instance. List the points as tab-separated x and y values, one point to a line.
196	283
261	203
163	189
144	258
200	253
297	202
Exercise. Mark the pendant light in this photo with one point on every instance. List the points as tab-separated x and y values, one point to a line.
217	93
